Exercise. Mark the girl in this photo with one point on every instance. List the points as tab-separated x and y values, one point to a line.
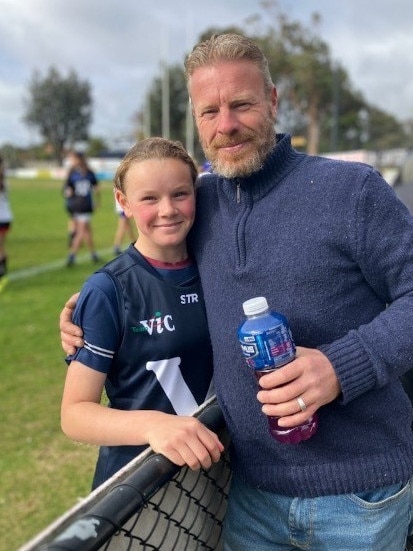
144	327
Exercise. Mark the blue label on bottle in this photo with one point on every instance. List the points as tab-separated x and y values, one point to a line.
269	348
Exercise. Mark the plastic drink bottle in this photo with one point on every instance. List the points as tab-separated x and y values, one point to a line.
267	344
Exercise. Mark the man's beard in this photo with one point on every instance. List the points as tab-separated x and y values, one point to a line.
245	163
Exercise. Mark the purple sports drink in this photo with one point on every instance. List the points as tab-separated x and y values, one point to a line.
267	344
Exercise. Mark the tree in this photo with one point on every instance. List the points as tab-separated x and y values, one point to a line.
303	72
60	108
316	92
178	101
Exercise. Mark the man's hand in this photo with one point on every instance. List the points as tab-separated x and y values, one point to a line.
310	377
70	334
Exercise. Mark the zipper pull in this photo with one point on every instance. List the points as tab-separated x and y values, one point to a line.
238	192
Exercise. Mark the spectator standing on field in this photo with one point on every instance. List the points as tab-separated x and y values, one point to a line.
6	218
82	194
123	228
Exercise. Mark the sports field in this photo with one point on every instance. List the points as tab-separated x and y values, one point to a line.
42	472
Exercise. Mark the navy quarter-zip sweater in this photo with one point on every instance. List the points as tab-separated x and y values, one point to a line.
331	247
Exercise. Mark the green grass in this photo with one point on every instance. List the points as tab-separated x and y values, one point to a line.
42	472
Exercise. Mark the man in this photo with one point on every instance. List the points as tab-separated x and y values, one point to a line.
331	247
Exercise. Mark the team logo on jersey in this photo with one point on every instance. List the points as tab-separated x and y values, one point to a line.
155	325
159	323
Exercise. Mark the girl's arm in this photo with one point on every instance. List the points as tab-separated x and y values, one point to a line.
183	440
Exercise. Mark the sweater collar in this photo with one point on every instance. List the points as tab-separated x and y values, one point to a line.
279	162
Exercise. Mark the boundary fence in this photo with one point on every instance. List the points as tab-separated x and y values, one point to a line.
150	504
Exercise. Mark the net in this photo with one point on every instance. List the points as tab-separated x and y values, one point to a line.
151	504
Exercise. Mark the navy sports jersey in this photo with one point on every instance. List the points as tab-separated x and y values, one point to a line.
151	339
81	185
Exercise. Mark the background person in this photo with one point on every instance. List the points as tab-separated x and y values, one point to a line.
6	218
82	194
151	369
331	247
124	228
204	168
67	195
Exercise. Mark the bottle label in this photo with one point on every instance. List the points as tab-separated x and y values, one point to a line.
268	349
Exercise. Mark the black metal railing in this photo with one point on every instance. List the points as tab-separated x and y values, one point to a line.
151	504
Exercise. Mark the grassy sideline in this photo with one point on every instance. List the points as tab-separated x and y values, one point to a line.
42	472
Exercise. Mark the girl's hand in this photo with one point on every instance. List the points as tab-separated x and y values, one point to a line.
184	440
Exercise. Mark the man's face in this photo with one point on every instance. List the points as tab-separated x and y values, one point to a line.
234	116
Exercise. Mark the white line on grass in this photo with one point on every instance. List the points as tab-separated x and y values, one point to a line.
50	266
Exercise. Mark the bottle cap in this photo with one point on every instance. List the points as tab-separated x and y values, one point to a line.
256	305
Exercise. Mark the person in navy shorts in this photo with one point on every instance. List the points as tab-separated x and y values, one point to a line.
82	195
124	227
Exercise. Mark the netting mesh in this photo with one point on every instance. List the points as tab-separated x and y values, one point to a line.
185	514
150	505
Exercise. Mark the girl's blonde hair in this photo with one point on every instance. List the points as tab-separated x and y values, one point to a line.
153	148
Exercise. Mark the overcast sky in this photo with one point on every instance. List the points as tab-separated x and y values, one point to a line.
117	45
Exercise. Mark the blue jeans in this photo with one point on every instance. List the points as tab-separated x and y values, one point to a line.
377	520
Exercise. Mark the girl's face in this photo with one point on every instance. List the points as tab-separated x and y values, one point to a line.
74	160
160	196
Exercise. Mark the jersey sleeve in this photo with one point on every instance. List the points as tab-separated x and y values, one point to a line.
97	313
